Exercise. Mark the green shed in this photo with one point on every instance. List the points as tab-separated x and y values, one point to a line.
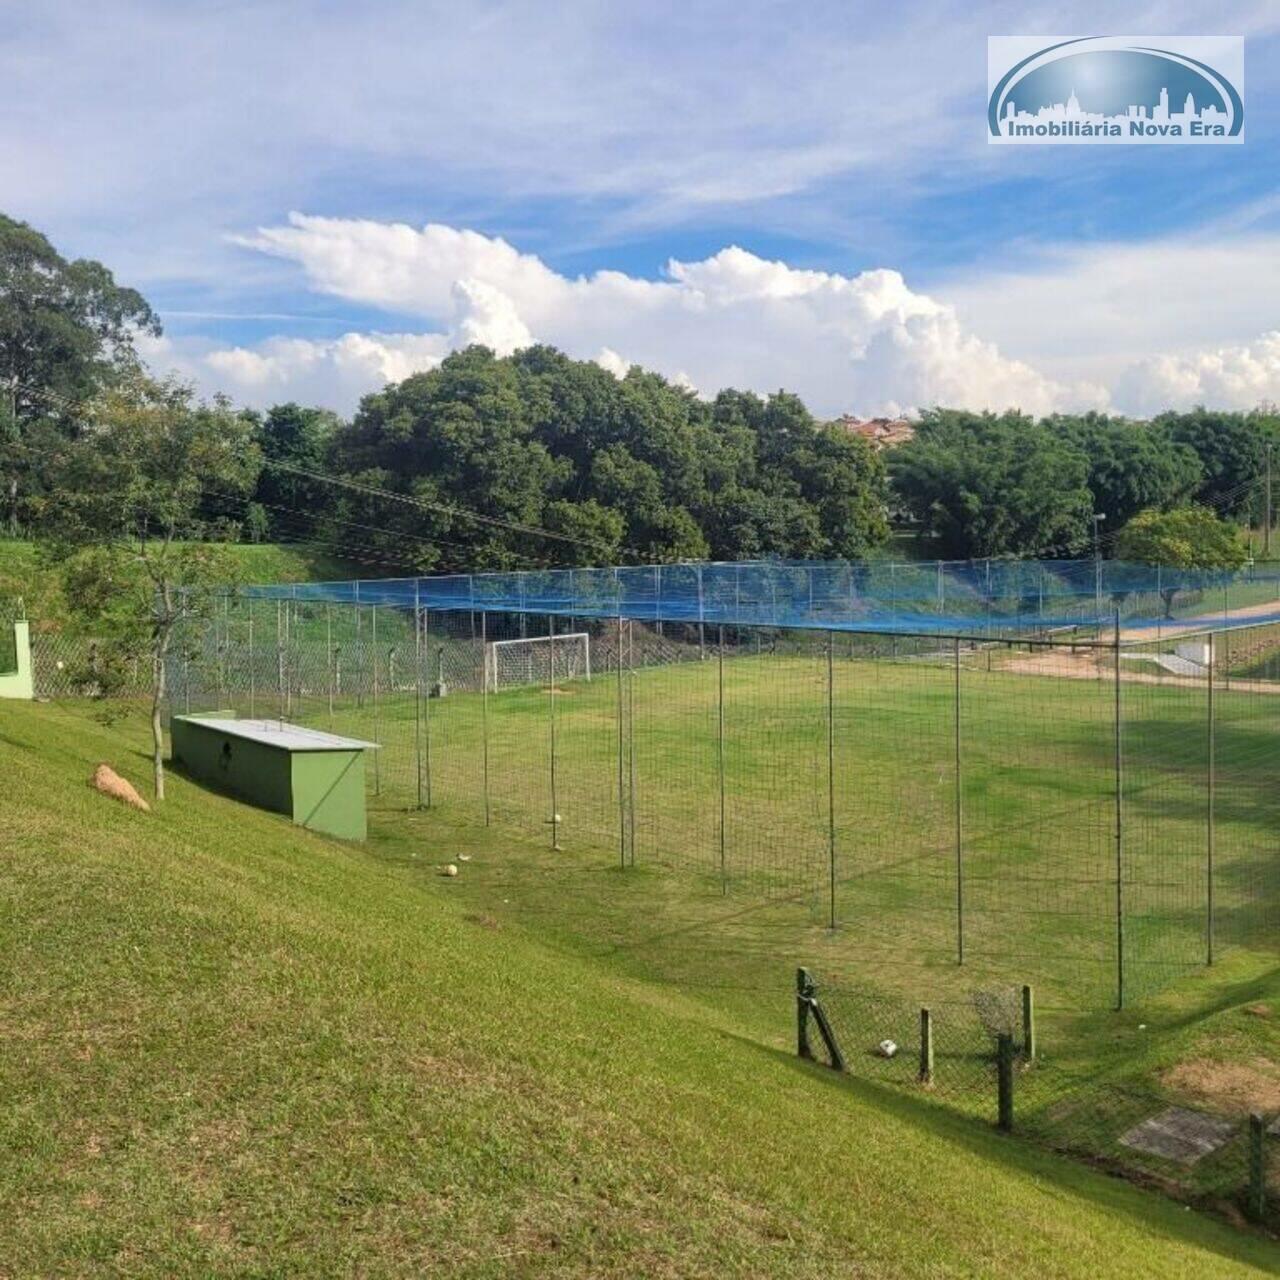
316	778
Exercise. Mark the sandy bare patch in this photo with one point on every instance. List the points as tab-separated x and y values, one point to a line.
1233	1086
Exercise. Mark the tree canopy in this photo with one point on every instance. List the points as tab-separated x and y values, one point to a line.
994	484
1132	466
536	459
1185	538
487	450
66	330
1232	448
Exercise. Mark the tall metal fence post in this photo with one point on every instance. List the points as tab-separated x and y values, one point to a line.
622	800
377	767
702	629
221	644
184	631
427	753
360	667
484	708
292	667
1211	800
959	813
279	662
724	865
551	703
631	740
1119	824
417	688
253	709
328	656
831	781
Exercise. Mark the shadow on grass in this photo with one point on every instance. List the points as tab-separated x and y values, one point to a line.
1154	1214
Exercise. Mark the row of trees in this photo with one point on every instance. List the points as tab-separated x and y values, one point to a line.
1005	484
540	459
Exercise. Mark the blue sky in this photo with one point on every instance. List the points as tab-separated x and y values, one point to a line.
522	172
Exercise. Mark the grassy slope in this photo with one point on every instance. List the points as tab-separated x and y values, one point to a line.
22	574
234	1047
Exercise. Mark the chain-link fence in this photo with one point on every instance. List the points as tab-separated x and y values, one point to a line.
1091	815
1094	816
69	664
986	1057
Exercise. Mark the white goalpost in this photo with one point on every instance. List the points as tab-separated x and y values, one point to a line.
514	664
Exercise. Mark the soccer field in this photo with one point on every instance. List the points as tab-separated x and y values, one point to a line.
934	809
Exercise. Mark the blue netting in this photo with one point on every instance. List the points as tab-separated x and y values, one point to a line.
982	597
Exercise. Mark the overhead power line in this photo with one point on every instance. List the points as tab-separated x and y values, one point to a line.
424	504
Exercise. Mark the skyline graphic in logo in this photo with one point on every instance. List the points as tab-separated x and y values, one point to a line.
1115	89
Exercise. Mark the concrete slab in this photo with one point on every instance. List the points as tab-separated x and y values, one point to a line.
1180	1134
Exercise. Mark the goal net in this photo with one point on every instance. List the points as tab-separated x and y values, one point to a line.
537	660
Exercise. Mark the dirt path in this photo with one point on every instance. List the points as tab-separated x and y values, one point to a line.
1095	664
1201	622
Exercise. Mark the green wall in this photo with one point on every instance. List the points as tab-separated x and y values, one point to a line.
16	682
322	790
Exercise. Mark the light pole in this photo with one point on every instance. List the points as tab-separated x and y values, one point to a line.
1098	517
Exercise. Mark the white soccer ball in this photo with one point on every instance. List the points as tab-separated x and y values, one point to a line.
60	664
887	1048
451	869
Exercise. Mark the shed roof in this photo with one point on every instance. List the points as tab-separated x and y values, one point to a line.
279	733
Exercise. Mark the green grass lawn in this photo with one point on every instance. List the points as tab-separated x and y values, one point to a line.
1015	842
236	1048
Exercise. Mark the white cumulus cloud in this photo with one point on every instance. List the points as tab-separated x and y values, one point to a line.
1232	377
867	342
331	372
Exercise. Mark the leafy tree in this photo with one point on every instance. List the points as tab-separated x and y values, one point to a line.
1232	451
457	441
293	440
1132	467
804	489
66	330
621	469
595	532
991	485
257	524
1186	538
125	507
